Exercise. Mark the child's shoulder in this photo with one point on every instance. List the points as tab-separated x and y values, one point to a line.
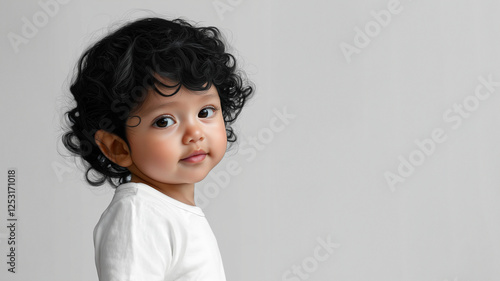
134	196
140	197
132	207
139	206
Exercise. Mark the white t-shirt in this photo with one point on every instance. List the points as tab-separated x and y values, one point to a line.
146	235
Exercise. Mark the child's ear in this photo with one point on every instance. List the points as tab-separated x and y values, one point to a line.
113	147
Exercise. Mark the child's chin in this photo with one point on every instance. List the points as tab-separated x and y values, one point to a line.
199	178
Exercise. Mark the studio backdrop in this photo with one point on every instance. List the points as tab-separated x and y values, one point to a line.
370	150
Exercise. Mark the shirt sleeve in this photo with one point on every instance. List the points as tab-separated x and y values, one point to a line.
133	241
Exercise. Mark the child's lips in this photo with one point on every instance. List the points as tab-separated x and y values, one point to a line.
195	158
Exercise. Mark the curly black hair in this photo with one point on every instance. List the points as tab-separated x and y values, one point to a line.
114	75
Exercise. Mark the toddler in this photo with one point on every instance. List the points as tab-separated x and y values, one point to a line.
154	103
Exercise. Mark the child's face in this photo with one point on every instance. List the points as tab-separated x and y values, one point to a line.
171	129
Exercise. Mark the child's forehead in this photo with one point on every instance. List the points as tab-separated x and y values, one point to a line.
165	80
169	89
183	96
168	86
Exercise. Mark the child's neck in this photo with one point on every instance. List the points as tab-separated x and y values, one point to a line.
180	192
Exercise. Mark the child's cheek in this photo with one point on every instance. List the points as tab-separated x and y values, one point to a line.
153	154
223	137
220	140
161	150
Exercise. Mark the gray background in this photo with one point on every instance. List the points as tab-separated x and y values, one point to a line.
318	174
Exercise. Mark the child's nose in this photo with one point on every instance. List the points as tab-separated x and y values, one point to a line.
193	134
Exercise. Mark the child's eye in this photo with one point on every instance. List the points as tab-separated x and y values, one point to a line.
163	122
206	112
